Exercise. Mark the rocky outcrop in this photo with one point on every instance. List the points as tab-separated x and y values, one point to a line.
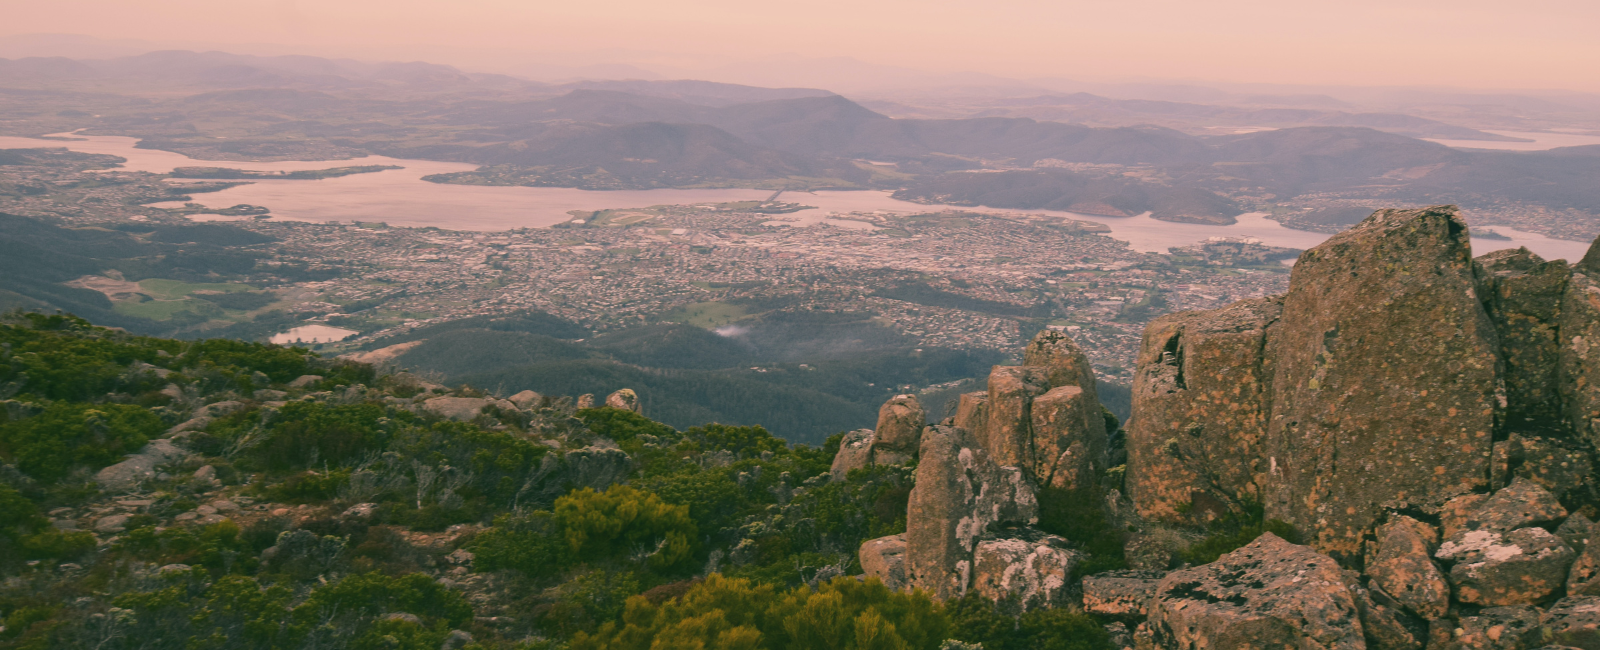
1268	594
140	467
1043	416
1498	628
460	409
1523	295
961	495
1008	434
1067	453
526	400
624	399
1197	435
1579	352
899	432
855	452
1385	380
972	413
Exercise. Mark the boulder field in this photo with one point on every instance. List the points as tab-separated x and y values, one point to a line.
1422	420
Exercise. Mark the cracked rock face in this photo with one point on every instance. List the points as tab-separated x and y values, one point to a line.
961	494
1385	370
1268	594
1522	567
1195	441
1024	574
1403	567
1548	462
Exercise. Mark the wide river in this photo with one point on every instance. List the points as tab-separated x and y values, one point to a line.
400	197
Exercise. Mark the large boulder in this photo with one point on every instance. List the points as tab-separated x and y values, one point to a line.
1026	572
1403	567
1268	594
624	399
139	467
884	558
1579	353
899	433
855	452
1523	503
1523	293
1385	377
1196	439
1008	435
1523	567
460	409
961	494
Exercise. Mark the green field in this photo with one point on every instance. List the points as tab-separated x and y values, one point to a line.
707	314
174	289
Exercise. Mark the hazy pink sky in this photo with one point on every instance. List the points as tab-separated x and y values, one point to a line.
1467	43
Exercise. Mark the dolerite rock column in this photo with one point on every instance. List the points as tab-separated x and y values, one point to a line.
1385	381
1580	347
899	433
961	495
1523	296
1197	437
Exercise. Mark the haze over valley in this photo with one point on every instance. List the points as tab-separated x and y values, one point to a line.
491	325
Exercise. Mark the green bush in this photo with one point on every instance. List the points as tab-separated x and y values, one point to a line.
1079	515
844	614
533	544
303	433
600	525
975	619
1228	536
67	435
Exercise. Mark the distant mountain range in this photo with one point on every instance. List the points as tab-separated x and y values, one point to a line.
646	134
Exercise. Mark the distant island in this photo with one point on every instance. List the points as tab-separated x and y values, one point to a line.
225	173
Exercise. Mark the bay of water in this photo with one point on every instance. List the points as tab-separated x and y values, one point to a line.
400	197
1542	140
313	334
